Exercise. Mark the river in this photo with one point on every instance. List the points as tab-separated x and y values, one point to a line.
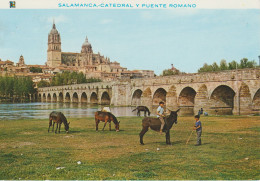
41	110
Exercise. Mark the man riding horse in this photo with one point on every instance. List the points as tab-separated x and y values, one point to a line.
160	115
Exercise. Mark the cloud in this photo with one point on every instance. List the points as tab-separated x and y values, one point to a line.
58	19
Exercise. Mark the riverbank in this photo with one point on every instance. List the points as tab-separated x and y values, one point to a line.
230	150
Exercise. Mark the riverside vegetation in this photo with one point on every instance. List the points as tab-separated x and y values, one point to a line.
230	150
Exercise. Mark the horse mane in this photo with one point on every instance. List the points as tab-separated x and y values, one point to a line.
147	109
63	118
114	118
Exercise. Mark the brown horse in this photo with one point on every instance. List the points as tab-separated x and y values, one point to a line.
155	124
142	108
106	117
58	118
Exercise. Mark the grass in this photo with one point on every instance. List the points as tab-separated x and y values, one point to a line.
230	150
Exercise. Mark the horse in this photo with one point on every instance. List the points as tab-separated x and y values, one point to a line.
155	124
106	117
142	108
59	118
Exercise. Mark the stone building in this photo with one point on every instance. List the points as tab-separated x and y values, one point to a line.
90	63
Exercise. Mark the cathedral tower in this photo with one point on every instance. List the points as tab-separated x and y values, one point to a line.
87	53
54	48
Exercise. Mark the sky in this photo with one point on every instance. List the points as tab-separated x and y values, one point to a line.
138	39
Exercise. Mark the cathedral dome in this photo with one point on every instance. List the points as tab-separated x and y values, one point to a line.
86	43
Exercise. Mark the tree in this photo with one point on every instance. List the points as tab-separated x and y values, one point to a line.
215	67
244	63
35	69
232	65
223	65
43	83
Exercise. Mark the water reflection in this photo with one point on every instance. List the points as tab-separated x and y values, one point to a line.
42	110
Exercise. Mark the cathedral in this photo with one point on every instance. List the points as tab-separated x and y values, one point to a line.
91	64
86	58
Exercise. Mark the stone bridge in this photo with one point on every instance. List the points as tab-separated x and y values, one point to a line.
227	92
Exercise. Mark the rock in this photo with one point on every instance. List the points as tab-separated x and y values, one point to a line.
79	162
158	149
59	168
246	158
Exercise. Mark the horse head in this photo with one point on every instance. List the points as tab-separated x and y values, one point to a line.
117	126
67	127
174	116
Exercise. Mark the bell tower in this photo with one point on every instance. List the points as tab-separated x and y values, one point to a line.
54	48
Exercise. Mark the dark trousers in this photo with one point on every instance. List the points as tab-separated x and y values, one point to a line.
199	137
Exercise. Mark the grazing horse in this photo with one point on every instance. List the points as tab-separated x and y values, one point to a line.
106	117
59	118
155	124
142	108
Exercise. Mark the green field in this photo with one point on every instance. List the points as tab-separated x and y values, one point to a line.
230	150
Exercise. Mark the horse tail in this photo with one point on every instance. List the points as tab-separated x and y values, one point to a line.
134	110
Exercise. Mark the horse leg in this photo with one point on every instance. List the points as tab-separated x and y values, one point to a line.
138	113
59	127
144	130
50	123
168	142
53	126
110	126
97	122
104	125
56	128
144	113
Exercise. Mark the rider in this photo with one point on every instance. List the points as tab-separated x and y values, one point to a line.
160	115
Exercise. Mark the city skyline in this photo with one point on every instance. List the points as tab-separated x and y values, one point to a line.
138	39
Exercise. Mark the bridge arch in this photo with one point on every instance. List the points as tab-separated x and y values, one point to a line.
245	102
158	96
147	97
44	97
136	98
84	97
49	98
67	97
60	98
256	102
94	98
201	99
222	100
75	97
105	98
186	101
54	97
40	97
171	98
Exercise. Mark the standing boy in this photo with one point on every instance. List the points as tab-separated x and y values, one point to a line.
160	115
198	129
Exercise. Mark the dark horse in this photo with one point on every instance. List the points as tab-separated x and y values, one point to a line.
142	108
106	117
155	124
59	118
